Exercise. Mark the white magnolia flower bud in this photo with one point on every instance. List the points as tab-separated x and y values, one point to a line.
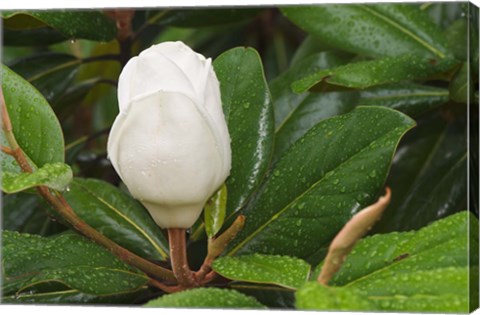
170	143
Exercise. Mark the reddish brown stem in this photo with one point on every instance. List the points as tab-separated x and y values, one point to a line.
178	257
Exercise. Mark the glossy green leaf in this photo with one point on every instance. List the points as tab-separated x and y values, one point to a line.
371	29
248	110
364	74
283	271
204	18
206	298
271	296
41	36
51	73
285	100
443	13
214	212
314	296
457	38
314	108
301	206
461	86
56	176
118	216
428	176
409	98
59	295
425	270
35	125
70	259
92	25
312	45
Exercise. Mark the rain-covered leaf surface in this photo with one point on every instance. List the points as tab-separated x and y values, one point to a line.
69	259
56	176
283	271
344	164
409	98
50	73
92	25
417	271
364	74
207	298
248	110
372	29
285	100
428	176
35	125
118	216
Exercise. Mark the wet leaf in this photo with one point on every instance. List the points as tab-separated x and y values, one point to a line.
417	271
374	30
69	259
283	271
301	206
364	74
409	98
248	109
56	176
461	85
51	73
35	125
285	100
118	216
428	176
207	298
92	25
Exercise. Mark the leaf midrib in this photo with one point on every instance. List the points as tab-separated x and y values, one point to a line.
150	240
402	29
313	186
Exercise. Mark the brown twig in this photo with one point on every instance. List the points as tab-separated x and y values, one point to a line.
178	257
59	203
216	246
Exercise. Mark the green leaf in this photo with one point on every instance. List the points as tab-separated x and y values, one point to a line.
69	259
269	295
35	125
457	38
207	298
314	296
42	36
118	216
373	30
301	206
214	212
64	295
313	109
248	110
204	18
428	176
51	73
461	85
284	271
409	98
443	13
286	101
417	271
29	213
92	25
56	176
364	74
